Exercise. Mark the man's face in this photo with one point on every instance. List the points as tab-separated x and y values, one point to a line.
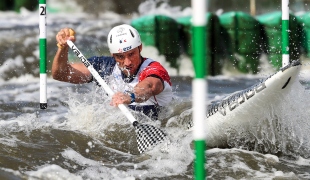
129	61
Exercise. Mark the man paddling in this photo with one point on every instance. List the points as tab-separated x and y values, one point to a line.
142	83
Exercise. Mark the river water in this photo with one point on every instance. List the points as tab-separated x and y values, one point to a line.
80	136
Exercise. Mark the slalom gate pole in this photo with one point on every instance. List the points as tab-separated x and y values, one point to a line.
199	85
42	44
285	33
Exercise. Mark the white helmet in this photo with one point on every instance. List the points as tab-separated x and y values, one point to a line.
123	38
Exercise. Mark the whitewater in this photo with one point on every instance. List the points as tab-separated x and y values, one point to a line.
80	136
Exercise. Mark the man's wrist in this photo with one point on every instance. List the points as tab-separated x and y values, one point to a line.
132	96
62	46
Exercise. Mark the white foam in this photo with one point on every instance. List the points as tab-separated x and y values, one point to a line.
91	113
151	7
52	172
271	157
78	158
11	64
302	161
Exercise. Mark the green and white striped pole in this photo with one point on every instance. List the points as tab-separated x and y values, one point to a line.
42	44
285	33
199	84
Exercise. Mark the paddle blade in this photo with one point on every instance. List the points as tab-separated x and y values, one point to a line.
148	136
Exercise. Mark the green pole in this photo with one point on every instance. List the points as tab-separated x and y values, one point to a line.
42	48
285	33
199	85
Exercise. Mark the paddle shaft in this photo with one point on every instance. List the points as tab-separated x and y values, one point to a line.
95	74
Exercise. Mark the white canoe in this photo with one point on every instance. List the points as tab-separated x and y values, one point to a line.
242	109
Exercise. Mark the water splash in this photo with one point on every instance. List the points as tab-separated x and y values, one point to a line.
161	7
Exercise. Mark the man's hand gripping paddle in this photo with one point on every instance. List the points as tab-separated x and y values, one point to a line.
147	135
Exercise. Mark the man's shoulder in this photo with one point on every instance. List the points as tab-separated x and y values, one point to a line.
153	63
156	66
155	69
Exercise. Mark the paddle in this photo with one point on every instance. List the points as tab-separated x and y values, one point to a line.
147	135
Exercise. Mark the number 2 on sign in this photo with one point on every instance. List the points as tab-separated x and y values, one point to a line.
43	10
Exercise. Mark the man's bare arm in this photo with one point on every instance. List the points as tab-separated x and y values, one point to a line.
62	70
150	86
